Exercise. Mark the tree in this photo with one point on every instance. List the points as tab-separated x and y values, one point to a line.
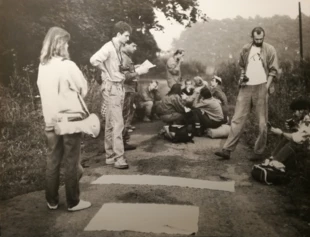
23	25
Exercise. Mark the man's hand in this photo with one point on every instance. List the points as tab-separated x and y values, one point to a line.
142	70
276	131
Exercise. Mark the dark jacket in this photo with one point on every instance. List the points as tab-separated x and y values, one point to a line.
130	75
186	92
219	94
170	104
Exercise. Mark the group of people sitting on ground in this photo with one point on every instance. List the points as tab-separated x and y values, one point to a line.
194	103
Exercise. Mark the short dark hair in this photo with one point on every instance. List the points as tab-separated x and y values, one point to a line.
258	30
121	27
130	41
205	93
300	104
178	51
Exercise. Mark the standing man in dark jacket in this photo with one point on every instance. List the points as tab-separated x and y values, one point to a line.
259	67
130	85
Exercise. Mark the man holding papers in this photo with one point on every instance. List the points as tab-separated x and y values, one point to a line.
130	85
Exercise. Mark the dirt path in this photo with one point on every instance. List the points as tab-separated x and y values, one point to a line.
252	210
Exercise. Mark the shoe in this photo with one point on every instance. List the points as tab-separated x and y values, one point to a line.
146	119
132	127
128	147
225	155
110	161
81	206
257	157
130	130
121	163
52	207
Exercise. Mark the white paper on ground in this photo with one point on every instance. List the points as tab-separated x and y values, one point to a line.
155	218
166	180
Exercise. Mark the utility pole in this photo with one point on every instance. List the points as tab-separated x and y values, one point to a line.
300	34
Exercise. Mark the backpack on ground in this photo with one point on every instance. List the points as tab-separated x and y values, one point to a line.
269	174
178	133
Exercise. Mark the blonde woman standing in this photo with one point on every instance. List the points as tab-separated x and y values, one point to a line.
59	82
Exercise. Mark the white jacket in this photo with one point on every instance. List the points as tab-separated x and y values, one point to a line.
59	81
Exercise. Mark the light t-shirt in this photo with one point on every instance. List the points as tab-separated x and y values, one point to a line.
255	70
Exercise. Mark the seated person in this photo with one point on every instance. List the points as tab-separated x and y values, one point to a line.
171	108
207	112
189	88
199	83
149	96
217	93
298	140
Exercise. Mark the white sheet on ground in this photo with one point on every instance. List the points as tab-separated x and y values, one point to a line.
166	180
149	218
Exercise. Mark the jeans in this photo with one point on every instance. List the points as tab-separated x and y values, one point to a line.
66	147
203	120
113	96
288	150
175	117
249	97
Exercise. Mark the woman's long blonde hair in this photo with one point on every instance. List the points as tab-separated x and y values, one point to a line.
54	44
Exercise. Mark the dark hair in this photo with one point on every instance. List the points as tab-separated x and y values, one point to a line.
176	89
258	30
178	51
205	93
300	104
130	41
121	27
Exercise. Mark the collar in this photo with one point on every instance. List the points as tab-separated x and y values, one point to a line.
116	42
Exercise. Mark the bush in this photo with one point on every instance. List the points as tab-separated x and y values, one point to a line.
22	140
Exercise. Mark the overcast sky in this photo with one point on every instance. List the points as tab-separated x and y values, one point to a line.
221	9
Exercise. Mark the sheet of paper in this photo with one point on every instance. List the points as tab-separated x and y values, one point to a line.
147	218
228	186
147	64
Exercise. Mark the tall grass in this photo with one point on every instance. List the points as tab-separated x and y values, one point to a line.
22	140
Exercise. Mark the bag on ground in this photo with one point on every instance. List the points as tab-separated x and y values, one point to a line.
269	173
220	132
178	133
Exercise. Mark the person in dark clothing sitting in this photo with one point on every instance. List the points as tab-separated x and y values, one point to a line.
206	112
171	108
189	88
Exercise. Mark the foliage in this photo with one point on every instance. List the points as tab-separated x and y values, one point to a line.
222	40
22	141
25	23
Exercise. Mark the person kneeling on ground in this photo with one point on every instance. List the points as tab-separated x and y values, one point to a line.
171	108
218	93
149	96
295	142
207	112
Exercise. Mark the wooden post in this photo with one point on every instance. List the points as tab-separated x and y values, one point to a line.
300	33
